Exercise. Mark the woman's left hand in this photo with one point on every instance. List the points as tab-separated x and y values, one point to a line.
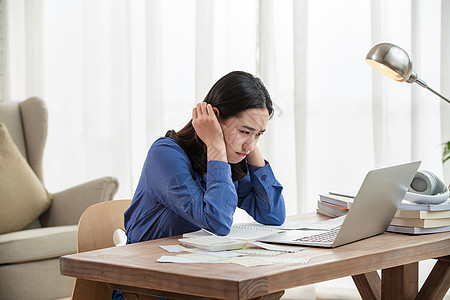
255	158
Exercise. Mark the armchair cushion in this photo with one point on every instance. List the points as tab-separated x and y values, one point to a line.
37	244
68	205
23	198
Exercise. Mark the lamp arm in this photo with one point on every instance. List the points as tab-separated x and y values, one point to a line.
436	93
424	85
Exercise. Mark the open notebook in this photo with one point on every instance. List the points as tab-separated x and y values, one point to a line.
244	232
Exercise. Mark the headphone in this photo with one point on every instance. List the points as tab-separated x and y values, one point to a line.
427	188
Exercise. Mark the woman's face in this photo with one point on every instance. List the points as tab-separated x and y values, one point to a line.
242	133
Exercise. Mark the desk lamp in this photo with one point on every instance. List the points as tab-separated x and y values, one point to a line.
394	62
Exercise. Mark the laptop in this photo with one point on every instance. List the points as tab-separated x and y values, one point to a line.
370	214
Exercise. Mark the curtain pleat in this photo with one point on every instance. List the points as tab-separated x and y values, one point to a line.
300	100
425	105
154	70
266	61
204	48
14	49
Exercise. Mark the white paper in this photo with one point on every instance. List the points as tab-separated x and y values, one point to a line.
258	251
289	260
203	258
276	247
174	248
177	259
224	254
252	261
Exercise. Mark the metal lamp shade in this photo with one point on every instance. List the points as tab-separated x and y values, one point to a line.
392	61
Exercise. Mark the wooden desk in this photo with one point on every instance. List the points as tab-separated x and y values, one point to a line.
134	270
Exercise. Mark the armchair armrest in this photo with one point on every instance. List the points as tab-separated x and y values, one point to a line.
68	205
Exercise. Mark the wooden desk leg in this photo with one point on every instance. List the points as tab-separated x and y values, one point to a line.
400	282
368	285
438	282
273	296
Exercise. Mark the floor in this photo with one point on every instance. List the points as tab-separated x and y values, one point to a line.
313	292
337	289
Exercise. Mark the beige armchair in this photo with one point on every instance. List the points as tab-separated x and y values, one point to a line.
30	249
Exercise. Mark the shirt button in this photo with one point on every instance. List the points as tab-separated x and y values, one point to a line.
263	177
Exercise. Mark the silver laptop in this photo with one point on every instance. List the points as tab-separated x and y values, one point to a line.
370	214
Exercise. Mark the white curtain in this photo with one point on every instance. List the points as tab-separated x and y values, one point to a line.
117	74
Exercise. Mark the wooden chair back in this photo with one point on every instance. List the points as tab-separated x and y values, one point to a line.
95	231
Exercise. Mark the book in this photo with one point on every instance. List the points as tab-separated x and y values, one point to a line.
417	230
346	199
337	200
422	214
213	243
325	213
242	231
406	205
423	223
331	209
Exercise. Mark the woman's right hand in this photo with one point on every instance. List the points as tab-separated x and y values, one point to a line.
207	127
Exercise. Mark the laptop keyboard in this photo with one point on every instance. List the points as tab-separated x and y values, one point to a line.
326	237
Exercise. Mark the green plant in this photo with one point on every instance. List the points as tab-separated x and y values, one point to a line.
446	153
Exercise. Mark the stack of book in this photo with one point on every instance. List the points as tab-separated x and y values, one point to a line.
415	218
333	205
410	217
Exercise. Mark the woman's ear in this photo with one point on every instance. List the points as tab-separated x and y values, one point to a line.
216	112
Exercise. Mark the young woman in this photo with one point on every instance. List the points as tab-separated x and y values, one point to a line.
196	177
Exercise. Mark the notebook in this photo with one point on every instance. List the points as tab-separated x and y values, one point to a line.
243	231
370	214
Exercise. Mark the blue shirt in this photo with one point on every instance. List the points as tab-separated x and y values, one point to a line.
172	199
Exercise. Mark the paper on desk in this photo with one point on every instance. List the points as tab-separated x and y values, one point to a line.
204	258
176	259
174	248
223	254
257	251
191	258
250	261
276	247
253	261
290	260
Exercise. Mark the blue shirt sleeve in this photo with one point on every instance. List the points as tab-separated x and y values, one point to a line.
171	180
260	196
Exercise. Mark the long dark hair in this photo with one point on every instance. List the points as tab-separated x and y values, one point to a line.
231	95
